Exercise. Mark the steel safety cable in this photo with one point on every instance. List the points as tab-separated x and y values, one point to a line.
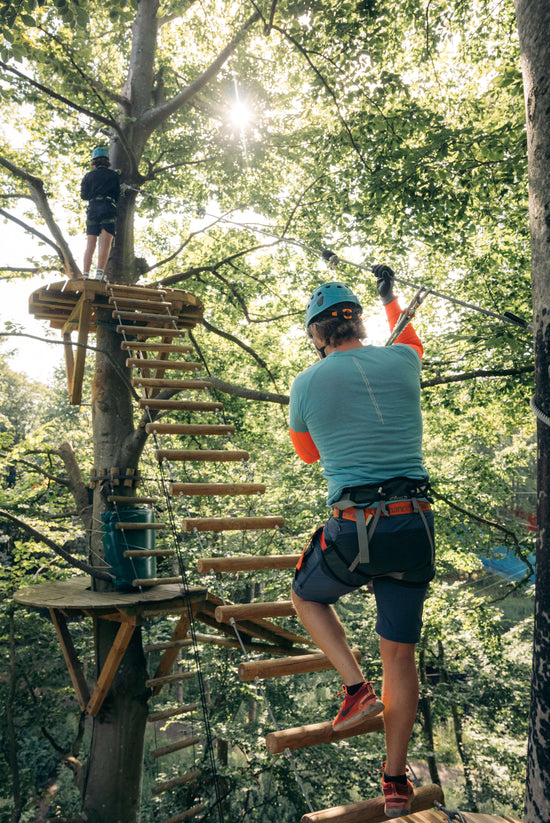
332	259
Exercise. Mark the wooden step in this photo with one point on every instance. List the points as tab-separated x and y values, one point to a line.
174	405
314	734
194	811
184	743
189	428
167	785
137	345
372	811
121	290
147	582
167	644
257	627
149	553
161	365
201	455
166	383
282	608
149	331
284	666
224	524
136	302
233	643
206	489
143	317
164	714
178	677
247	563
134	527
130	501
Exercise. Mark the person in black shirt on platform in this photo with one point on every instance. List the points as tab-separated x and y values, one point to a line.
101	187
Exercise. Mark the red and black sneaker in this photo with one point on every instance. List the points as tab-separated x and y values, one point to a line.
355	707
398	797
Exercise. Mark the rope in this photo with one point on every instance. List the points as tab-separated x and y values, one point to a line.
540	414
333	260
186	588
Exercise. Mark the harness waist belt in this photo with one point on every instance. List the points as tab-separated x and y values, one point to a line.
401	507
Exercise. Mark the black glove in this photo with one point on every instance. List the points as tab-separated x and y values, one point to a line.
385	279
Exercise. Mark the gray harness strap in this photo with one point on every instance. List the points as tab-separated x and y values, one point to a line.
364	534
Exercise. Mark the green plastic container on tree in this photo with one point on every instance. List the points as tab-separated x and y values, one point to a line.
117	541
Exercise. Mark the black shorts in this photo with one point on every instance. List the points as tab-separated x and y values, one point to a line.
101	215
399	602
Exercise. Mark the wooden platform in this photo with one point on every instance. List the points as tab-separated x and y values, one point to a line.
56	302
75	597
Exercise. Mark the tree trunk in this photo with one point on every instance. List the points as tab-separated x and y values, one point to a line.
533	18
112	779
427	720
113	771
457	725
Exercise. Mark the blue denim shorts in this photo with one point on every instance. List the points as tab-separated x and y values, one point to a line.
399	604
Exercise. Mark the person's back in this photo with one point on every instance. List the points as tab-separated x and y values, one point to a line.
362	410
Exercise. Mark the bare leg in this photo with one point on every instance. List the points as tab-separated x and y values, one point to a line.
326	630
400	697
105	240
91	241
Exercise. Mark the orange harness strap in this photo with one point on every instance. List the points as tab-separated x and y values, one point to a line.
400	507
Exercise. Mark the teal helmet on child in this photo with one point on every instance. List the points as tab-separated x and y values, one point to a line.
326	296
100	151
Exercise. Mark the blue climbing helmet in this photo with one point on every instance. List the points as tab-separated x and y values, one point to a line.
327	295
100	151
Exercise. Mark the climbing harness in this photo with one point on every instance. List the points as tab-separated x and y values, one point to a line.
451	814
366	505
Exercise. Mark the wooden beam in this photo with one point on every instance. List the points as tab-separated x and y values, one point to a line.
284	666
201	455
170	654
224	524
110	666
372	811
281	608
206	489
189	428
188	777
69	361
184	743
75	395
174	405
314	734
194	811
246	563
71	658
139	345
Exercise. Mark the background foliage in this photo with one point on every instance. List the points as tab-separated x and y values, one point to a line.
382	131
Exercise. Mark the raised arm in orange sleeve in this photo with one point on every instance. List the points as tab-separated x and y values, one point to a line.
304	445
408	336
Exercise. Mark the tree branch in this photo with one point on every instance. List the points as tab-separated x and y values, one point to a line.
154	117
470	375
76	483
32	230
41	538
36	188
65	100
240	343
248	394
